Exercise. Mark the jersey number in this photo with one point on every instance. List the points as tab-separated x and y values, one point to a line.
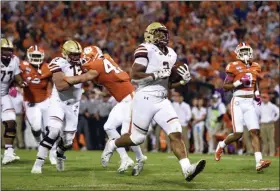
109	67
4	74
166	65
251	80
76	70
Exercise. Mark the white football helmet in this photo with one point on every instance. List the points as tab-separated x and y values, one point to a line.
244	52
35	55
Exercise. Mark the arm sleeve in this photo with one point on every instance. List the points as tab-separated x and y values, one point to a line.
17	64
141	55
56	64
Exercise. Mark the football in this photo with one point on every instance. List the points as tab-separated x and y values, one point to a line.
175	77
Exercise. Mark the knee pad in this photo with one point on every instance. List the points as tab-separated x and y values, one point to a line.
66	141
50	137
112	134
55	122
109	126
137	138
174	127
36	133
10	129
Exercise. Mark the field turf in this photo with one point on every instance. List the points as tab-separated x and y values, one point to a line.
162	172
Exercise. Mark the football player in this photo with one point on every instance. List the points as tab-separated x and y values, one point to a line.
102	69
151	71
10	72
36	94
242	79
64	106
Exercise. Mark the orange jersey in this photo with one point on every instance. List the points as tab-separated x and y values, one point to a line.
110	76
238	69
38	83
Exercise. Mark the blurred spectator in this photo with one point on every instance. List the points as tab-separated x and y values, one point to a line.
184	113
199	115
269	115
215	113
82	135
93	119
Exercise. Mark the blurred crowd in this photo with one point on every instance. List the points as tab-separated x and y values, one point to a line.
204	35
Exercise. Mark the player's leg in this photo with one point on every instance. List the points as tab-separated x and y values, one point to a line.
251	121
126	125
55	124
237	118
44	106
167	119
68	134
142	113
8	117
115	119
34	119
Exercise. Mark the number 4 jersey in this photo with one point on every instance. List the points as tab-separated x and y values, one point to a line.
39	87
116	81
238	69
8	74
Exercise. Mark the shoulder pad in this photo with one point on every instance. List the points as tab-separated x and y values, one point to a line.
141	51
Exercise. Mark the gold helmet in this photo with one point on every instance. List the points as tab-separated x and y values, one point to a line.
71	51
6	50
156	33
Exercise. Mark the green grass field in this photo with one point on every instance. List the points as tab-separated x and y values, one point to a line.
162	172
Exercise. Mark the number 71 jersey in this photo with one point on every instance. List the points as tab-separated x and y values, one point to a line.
111	76
8	74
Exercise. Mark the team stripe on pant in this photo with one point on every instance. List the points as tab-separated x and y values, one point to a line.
232	115
130	123
171	119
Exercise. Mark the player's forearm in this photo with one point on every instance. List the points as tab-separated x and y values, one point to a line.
19	81
59	82
228	87
174	85
142	78
90	75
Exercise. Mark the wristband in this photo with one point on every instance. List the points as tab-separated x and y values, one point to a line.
183	82
155	75
257	93
237	83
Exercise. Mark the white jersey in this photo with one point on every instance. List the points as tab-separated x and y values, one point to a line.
8	74
156	61
74	93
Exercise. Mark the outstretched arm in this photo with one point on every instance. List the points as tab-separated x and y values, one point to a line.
60	84
19	81
88	76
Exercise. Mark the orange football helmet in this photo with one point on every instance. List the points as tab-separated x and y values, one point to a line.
35	55
92	52
244	52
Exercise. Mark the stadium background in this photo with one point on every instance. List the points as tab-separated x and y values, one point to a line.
204	35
